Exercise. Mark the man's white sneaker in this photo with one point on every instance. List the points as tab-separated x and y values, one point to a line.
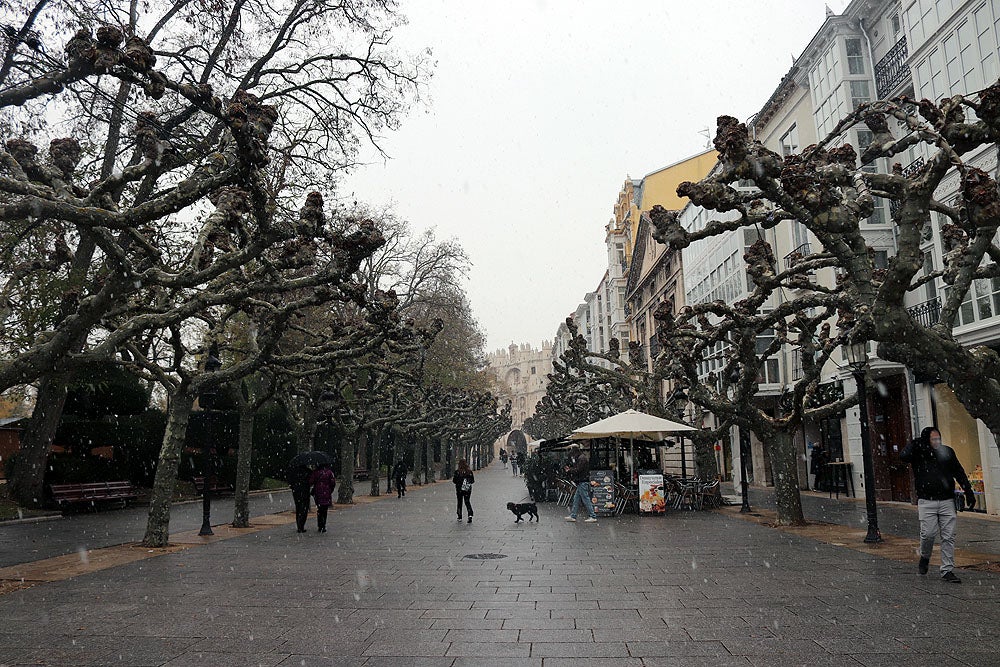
590	520
569	518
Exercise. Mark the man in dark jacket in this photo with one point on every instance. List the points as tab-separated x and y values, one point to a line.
936	469
399	478
298	480
580	472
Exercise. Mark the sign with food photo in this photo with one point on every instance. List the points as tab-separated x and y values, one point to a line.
651	496
602	491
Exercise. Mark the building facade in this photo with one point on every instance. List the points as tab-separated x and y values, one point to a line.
522	376
876	49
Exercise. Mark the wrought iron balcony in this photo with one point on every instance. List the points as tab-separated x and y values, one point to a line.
892	70
797	255
913	167
927	313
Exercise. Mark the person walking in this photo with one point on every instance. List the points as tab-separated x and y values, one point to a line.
322	482
399	478
817	466
936	469
463	480
298	481
580	472
513	464
520	461
503	458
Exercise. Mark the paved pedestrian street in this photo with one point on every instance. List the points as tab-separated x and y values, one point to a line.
392	583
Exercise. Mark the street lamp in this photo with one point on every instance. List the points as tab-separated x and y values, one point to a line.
678	396
857	357
745	454
207	402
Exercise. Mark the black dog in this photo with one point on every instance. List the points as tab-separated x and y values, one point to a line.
531	509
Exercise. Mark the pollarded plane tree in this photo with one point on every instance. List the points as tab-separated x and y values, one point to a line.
242	313
831	194
156	106
799	320
583	391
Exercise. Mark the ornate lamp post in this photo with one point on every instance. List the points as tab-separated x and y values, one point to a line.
207	402
745	454
678	396
857	357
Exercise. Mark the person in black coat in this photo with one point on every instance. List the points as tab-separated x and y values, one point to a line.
817	466
936	469
399	478
298	480
463	479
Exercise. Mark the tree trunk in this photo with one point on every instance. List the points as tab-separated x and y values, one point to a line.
345	487
704	459
244	457
428	462
305	432
28	477
389	481
413	445
784	464
158	524
375	466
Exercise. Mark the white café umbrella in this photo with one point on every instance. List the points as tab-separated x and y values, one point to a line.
633	425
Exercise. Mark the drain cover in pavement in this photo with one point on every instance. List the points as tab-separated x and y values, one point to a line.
484	556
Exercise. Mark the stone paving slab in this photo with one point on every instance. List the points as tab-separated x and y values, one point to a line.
390	585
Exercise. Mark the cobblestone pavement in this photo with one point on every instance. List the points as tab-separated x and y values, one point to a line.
390	584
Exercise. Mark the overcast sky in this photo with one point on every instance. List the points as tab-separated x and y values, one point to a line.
536	115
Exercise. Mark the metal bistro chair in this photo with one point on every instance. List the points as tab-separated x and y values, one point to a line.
566	491
710	495
687	496
626	497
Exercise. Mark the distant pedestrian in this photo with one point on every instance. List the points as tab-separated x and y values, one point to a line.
399	478
936	469
463	480
580	472
298	481
322	482
520	461
817	466
513	464
503	458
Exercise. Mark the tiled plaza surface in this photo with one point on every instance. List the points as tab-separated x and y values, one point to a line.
389	584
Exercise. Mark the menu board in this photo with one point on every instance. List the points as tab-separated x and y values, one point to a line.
603	493
651	497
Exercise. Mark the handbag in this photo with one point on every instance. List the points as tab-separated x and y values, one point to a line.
466	486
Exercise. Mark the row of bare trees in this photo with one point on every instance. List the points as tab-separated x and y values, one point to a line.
830	189
166	176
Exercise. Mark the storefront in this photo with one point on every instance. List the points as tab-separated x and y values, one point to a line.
961	432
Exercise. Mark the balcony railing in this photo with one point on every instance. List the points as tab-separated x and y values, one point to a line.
797	255
913	167
892	70
927	313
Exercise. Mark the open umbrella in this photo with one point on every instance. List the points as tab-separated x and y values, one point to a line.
633	425
310	460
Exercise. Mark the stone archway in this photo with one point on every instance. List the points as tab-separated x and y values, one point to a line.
516	442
